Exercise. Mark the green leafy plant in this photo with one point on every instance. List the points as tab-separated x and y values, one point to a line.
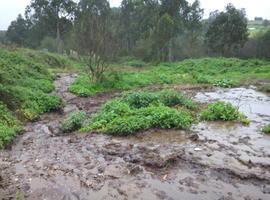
221	111
73	122
266	129
139	111
9	126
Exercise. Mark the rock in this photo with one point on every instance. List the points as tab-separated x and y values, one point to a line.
194	137
266	189
197	149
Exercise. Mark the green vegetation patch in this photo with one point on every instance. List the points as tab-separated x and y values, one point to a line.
266	129
9	126
25	87
222	72
221	111
140	111
73	122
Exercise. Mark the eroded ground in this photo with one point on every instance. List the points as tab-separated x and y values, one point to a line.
212	161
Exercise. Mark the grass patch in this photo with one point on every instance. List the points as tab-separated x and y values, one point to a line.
73	122
25	87
222	111
140	111
222	72
9	126
266	129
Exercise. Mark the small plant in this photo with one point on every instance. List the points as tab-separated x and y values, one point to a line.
221	111
166	97
73	122
139	99
266	129
173	98
225	83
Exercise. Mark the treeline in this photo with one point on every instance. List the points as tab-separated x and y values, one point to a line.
153	30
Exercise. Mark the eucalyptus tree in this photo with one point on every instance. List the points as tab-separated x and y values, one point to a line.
52	16
228	30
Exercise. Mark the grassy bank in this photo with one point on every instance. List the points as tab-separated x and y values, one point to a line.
25	86
224	72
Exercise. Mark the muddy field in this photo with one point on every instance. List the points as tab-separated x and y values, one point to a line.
214	160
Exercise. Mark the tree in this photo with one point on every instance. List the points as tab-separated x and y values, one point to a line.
92	36
228	31
194	27
17	31
263	48
266	23
52	15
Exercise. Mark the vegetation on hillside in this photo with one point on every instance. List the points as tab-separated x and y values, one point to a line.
25	86
266	129
223	72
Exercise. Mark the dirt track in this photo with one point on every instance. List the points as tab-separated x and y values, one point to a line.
212	161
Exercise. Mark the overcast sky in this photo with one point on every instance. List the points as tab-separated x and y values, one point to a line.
9	9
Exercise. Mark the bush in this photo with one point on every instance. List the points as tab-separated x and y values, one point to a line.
73	122
9	126
139	99
166	97
138	111
266	129
221	111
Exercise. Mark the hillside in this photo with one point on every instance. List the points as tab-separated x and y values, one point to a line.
25	87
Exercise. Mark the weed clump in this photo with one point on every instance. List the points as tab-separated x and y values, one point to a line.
221	111
140	111
73	122
25	86
167	97
266	129
9	126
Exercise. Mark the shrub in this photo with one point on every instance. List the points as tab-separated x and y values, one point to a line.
266	129
73	122
9	126
136	112
139	99
220	111
166	97
173	98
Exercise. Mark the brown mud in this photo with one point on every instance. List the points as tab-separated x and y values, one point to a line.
214	160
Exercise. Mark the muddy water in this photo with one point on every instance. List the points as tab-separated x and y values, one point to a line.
213	161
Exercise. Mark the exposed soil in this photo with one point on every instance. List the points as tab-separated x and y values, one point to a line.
214	160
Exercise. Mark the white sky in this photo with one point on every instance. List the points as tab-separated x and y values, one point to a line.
9	9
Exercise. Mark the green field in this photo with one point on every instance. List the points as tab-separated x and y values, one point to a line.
224	72
26	81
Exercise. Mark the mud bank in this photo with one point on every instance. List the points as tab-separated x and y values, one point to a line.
212	161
